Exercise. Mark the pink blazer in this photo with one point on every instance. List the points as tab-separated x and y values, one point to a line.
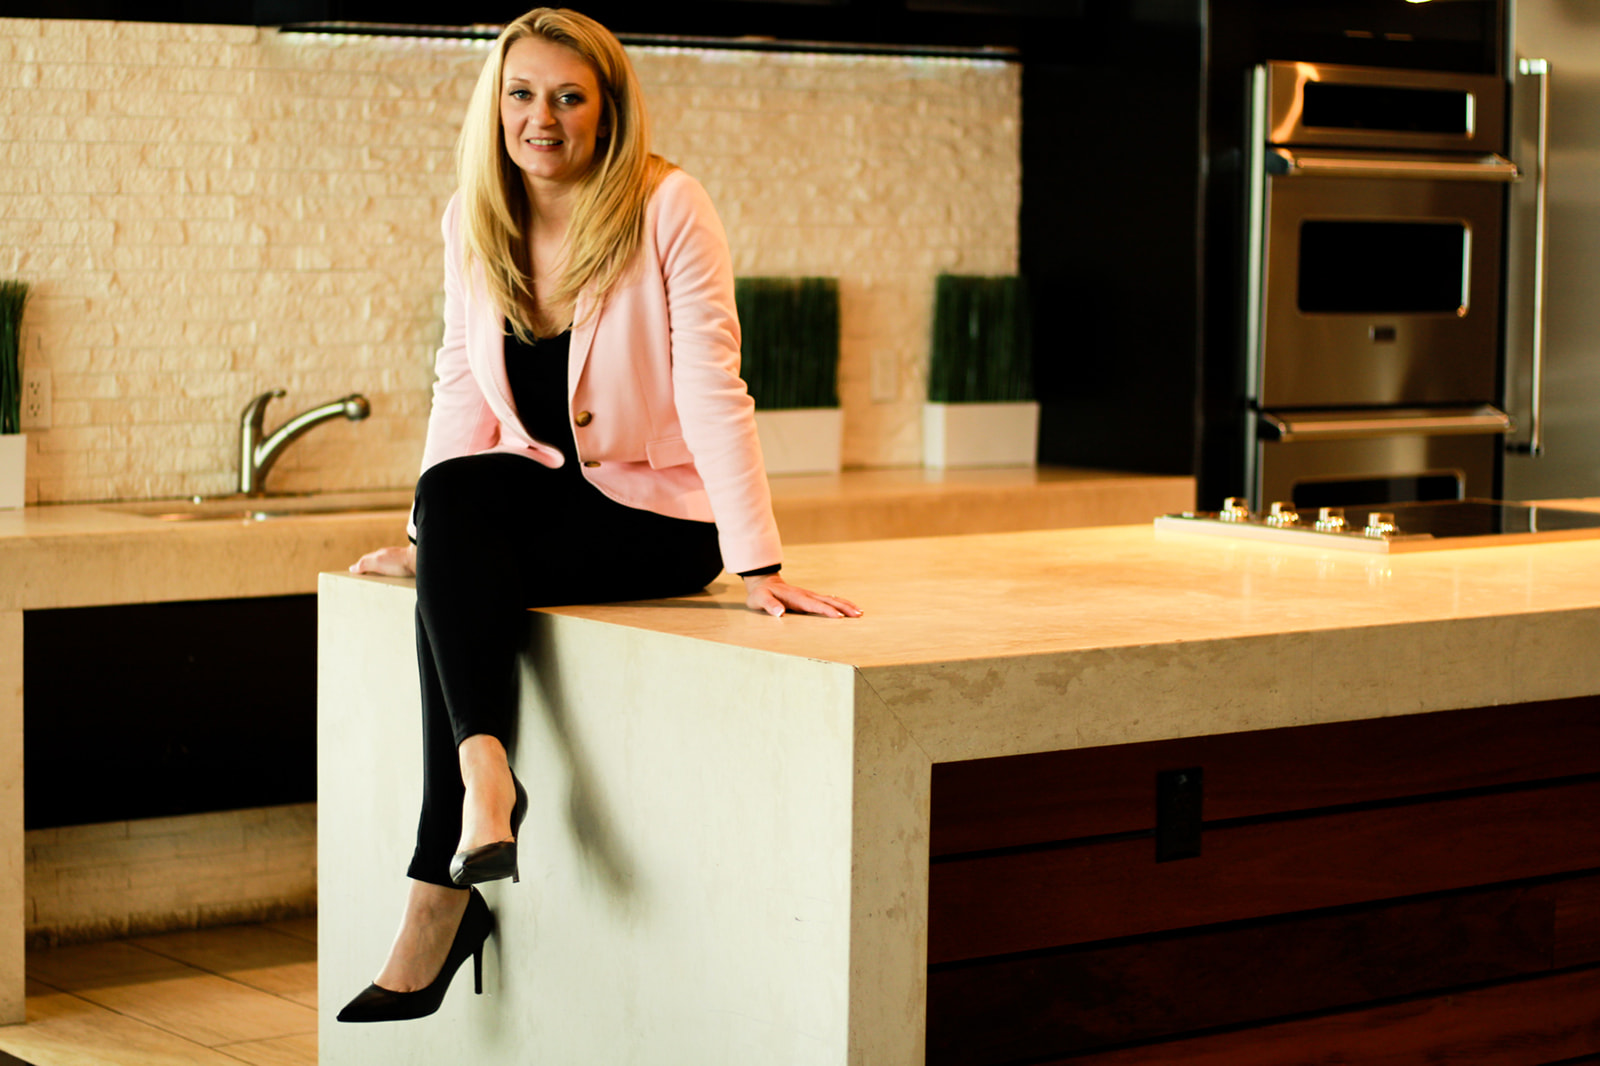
662	420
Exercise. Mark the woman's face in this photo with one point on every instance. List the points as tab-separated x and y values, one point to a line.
550	110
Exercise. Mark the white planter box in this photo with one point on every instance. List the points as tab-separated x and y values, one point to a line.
980	434
13	468
804	440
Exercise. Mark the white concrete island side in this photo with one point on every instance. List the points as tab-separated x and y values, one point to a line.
727	859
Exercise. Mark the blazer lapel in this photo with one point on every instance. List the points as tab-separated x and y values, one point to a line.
583	331
487	353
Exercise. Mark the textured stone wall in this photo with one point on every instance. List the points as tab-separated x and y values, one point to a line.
114	879
208	212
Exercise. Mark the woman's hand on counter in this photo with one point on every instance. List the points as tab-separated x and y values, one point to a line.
770	593
391	562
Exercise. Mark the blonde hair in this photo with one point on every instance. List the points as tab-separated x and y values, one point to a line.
608	215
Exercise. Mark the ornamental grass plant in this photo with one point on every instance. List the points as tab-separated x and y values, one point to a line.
13	301
982	341
790	353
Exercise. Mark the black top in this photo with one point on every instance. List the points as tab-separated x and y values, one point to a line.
538	375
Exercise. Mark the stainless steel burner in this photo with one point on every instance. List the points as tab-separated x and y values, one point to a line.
1392	527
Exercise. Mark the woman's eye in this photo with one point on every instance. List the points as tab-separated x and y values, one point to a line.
571	99
519	94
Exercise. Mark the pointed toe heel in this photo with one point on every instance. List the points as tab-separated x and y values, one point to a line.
378	1004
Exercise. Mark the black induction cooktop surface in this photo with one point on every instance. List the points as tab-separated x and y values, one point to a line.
1475	518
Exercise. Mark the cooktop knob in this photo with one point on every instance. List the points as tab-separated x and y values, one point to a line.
1234	509
1330	520
1380	524
1282	514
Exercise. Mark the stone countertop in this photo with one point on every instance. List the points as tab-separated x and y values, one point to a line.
1051	637
1053	591
918	502
75	555
89	554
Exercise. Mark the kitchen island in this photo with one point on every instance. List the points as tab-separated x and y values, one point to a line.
94	555
734	853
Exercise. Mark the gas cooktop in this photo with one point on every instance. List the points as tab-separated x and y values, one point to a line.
1392	527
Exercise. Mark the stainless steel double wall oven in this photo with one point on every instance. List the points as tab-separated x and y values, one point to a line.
1377	211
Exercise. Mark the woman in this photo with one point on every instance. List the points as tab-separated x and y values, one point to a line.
590	440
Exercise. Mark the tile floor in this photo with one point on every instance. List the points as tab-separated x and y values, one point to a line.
209	997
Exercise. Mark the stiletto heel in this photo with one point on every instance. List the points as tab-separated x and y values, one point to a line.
492	862
378	1004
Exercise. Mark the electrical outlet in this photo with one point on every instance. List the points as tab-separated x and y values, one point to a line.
885	377
35	398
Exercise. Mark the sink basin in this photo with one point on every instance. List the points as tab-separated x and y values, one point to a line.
263	508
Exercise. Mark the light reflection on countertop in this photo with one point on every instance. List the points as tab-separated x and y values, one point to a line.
1048	592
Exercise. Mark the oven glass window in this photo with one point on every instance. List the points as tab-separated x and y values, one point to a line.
1383	267
1329	105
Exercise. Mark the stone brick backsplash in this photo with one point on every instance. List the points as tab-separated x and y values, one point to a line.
115	879
207	212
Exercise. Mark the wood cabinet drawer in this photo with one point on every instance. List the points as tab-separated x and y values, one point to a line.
1068	795
1342	868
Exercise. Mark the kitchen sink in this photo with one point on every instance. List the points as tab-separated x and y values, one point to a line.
263	508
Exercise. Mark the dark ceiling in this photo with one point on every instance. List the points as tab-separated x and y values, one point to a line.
1451	35
933	24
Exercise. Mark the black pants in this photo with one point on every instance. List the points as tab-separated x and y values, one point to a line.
496	535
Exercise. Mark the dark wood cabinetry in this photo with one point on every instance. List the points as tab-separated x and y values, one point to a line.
1405	890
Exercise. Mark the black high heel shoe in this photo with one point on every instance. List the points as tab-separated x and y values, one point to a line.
491	862
377	1004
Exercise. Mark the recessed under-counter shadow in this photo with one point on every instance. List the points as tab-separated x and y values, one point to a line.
150	710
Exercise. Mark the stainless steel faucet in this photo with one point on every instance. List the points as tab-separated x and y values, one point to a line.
256	456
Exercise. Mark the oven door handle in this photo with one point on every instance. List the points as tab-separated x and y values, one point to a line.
1534	445
1350	425
1285	161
